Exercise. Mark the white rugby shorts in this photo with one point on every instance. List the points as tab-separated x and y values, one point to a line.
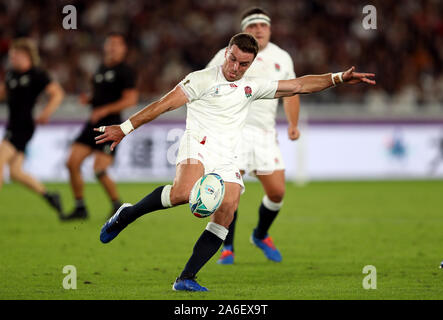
259	152
212	153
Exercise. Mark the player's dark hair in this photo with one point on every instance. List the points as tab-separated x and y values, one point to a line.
253	10
245	42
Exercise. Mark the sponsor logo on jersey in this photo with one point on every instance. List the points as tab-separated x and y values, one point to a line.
277	67
13	83
109	75
248	92
98	78
24	80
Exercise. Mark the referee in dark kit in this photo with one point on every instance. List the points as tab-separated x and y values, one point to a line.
113	90
23	84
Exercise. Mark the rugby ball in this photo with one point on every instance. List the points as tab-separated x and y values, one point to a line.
206	195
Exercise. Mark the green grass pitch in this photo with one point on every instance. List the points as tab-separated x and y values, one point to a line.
327	232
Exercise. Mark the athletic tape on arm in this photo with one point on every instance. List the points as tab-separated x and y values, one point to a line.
127	127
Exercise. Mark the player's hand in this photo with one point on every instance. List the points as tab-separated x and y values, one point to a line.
97	114
109	133
43	118
293	132
352	77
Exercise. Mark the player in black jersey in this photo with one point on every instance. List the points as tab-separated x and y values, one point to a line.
23	84
113	90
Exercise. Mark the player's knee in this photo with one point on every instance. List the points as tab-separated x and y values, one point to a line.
73	165
228	207
15	174
179	195
100	173
225	214
277	195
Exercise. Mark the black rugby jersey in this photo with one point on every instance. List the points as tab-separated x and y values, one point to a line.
109	83
23	89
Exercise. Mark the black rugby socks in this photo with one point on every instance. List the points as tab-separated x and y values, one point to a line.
204	249
152	202
229	241
266	217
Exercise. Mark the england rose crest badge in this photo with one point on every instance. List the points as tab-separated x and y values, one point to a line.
248	91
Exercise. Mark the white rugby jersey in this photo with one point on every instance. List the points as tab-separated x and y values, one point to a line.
273	63
217	107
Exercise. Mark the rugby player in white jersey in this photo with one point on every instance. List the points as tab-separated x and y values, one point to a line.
217	100
259	153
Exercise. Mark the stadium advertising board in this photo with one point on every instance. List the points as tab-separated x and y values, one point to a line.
324	152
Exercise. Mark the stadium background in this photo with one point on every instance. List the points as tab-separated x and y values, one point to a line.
396	125
328	231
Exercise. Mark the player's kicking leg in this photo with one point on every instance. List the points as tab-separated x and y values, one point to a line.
187	172
210	240
274	187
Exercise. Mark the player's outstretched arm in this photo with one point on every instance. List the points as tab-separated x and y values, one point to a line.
171	101
314	83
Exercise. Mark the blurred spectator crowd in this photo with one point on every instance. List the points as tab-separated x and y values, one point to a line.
169	39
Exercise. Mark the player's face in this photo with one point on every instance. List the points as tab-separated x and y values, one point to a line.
236	63
115	48
261	32
19	59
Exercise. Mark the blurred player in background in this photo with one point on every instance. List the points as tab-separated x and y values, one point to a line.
259	153
113	91
217	99
23	84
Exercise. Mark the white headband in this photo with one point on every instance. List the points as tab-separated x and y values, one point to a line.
255	18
